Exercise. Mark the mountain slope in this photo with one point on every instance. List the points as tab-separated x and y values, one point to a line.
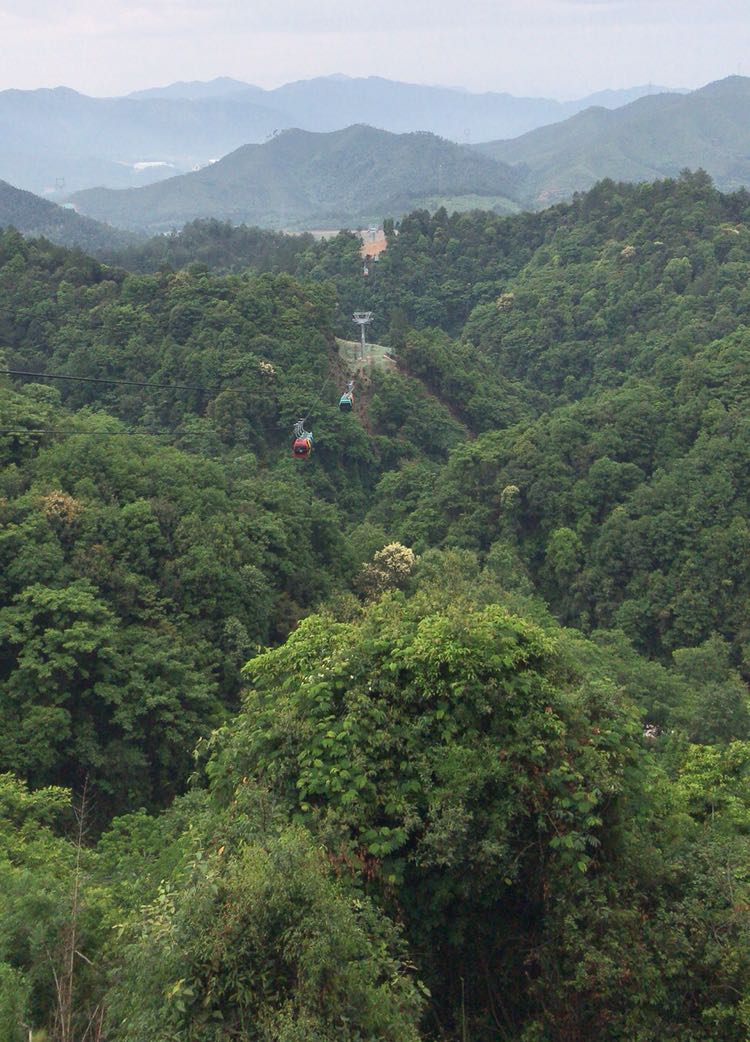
326	103
460	760
300	179
32	216
653	137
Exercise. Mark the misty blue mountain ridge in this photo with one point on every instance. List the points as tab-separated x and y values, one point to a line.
297	179
57	141
222	86
301	180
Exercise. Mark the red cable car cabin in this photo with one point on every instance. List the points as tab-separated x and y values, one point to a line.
302	447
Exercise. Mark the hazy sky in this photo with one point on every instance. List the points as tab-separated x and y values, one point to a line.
558	48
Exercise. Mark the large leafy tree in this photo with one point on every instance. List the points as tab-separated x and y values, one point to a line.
452	764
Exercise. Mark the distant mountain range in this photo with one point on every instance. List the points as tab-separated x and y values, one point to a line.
194	90
58	141
306	180
651	138
300	179
37	217
53	136
334	102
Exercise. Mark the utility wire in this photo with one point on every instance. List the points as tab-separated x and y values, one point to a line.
132	383
132	434
315	401
102	380
96	434
136	383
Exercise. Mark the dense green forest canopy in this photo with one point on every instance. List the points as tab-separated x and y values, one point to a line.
443	734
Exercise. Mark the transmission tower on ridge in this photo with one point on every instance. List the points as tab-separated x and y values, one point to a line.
362	318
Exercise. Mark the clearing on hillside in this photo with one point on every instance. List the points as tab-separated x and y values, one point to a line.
376	357
374	242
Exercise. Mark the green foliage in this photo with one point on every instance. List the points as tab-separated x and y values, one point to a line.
390	568
262	943
436	268
429	778
138	577
75	700
634	376
219	245
36	882
14	1000
721	707
450	764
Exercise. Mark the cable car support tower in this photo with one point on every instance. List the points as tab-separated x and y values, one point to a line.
363	319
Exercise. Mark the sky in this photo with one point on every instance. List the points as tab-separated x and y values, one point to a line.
554	48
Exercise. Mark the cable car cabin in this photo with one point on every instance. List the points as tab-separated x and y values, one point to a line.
301	448
346	402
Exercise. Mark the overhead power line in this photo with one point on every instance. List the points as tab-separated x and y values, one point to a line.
27	374
103	380
89	434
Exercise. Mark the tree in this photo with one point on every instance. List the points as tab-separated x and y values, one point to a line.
449	764
262	942
389	569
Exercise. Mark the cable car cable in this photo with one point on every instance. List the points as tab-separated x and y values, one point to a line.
102	434
112	381
102	380
129	434
317	399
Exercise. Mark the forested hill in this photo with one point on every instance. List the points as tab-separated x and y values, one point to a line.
359	175
38	217
653	137
236	541
631	321
300	179
607	303
441	734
